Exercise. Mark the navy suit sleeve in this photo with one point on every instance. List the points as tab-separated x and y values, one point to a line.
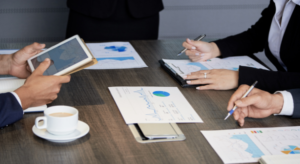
296	98
10	109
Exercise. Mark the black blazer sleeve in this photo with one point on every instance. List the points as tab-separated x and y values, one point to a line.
10	109
251	41
296	98
270	81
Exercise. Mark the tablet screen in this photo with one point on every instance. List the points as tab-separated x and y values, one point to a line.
61	57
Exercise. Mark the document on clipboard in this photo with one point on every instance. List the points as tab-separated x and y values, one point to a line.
179	68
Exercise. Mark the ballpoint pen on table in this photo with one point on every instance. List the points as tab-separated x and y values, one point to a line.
196	39
246	94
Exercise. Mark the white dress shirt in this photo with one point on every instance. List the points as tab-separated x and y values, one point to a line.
284	10
17	97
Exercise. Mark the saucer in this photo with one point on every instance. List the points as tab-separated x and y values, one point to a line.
82	129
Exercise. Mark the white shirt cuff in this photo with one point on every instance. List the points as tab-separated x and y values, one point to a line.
17	97
288	103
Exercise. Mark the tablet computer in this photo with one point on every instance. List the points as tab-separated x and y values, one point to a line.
65	57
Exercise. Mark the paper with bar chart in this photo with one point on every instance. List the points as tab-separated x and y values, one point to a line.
153	105
248	145
184	67
115	55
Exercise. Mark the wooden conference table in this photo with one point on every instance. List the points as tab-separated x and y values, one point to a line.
109	139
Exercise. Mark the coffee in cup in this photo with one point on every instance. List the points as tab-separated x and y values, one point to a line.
60	114
59	120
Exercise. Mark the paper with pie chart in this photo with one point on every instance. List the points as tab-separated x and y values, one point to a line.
184	67
115	55
153	105
248	145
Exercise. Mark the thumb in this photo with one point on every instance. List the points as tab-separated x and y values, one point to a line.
42	67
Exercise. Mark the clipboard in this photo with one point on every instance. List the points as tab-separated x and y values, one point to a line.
92	62
175	76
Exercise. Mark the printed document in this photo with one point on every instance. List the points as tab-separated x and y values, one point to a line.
248	145
184	67
115	55
153	105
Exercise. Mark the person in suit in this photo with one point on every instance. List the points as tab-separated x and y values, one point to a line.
37	90
261	104
111	20
276	32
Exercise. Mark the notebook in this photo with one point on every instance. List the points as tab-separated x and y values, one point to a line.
178	68
279	159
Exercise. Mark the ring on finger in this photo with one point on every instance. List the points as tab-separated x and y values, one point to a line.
205	75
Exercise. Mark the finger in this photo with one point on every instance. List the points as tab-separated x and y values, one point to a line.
192	53
204	57
194	43
65	79
207	87
247	101
199	76
188	46
237	95
242	116
28	68
236	114
42	67
34	48
199	81
201	72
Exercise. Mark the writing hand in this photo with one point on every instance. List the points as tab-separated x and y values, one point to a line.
40	90
199	51
258	104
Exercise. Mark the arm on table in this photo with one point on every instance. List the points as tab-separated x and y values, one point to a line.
270	81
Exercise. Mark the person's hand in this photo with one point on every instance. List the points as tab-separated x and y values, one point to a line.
199	51
18	61
258	104
38	89
217	79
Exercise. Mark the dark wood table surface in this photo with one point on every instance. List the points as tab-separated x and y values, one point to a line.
109	139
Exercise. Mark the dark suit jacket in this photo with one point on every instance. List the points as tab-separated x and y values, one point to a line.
10	109
255	39
296	97
105	8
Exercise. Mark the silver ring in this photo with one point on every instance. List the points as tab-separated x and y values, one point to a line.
205	75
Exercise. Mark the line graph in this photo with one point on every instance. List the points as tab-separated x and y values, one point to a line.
149	104
153	105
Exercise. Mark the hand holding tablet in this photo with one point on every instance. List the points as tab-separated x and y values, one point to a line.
68	56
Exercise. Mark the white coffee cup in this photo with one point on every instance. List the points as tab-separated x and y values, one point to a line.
58	125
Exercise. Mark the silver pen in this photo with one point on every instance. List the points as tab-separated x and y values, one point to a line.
196	39
246	94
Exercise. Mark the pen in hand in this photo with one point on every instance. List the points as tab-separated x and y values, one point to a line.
196	39
245	95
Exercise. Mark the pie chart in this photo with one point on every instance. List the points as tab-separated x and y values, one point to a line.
161	93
